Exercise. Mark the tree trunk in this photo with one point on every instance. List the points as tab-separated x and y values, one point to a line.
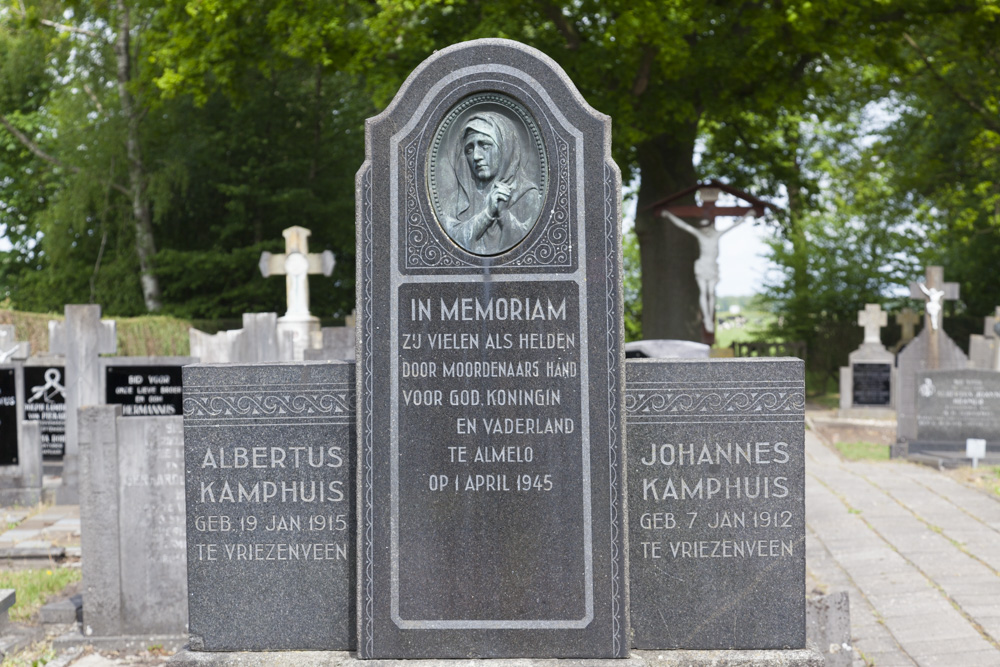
145	247
667	253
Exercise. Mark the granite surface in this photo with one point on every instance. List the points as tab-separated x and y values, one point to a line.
489	368
716	503
957	404
915	357
269	461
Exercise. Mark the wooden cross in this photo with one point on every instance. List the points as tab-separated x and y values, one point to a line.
296	265
934	290
872	318
907	319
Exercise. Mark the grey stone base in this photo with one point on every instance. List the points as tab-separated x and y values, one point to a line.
123	643
62	612
791	658
20	497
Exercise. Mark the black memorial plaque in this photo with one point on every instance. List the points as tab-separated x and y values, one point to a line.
269	461
8	417
45	402
145	391
872	384
490	366
716	503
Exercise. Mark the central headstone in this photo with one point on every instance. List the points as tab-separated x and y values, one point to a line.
490	366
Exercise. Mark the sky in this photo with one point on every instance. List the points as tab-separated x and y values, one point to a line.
742	263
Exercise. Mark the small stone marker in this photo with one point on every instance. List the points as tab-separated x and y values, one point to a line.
490	366
867	382
296	264
8	417
716	503
975	449
145	386
45	402
81	338
132	525
270	525
907	319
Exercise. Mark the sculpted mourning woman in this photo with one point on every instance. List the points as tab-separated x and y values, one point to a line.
494	204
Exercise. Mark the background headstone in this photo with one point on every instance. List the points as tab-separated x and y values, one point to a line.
716	503
907	319
132	524
20	444
45	402
10	422
81	338
144	386
953	405
332	343
269	456
491	504
867	383
666	349
10	348
257	341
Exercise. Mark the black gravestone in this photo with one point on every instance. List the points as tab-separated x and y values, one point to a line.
716	503
872	384
145	391
269	452
45	402
8	417
490	366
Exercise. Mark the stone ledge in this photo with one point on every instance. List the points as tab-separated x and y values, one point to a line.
721	658
123	643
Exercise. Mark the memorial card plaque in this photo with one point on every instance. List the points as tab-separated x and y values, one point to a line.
958	404
45	402
269	451
490	366
872	384
144	391
716	503
8	417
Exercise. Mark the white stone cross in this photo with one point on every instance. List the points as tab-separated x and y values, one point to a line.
991	321
907	320
935	291
296	264
10	347
872	318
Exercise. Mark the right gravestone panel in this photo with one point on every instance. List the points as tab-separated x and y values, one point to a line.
716	503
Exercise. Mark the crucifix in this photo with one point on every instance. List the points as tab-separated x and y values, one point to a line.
296	264
907	320
935	291
872	318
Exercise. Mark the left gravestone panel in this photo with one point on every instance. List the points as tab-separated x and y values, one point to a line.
145	386
45	402
490	366
8	417
269	451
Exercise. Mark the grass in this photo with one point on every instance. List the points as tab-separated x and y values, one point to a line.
34	587
984	477
863	451
826	401
36	655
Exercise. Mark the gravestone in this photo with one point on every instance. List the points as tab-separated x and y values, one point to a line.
296	326
81	338
332	343
257	341
932	349
666	349
269	456
144	386
984	350
490	366
953	405
716	503
20	447
868	381
907	320
45	403
132	536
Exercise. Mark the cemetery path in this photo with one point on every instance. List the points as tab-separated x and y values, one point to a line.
918	552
